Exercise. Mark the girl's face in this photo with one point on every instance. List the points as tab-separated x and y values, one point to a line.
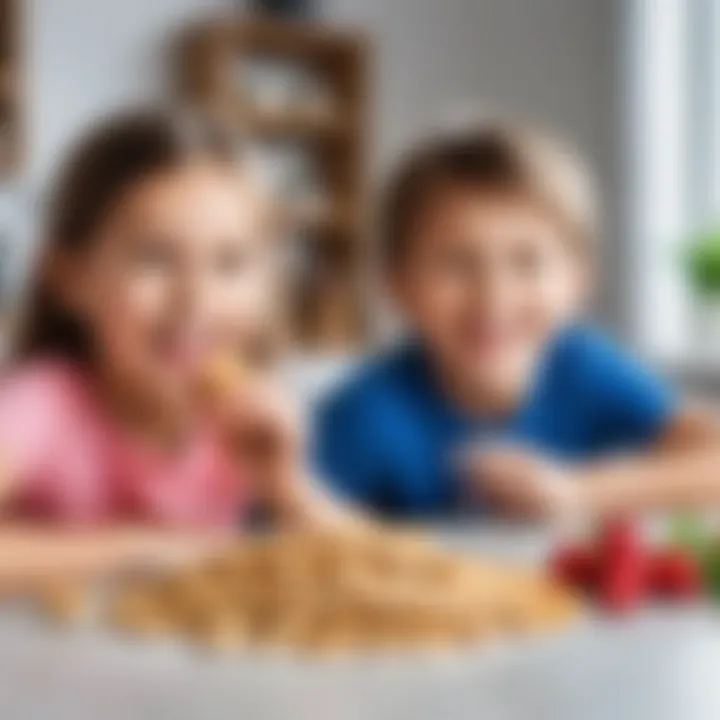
175	276
487	282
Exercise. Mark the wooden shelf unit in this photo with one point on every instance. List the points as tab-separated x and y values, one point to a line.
11	115
327	304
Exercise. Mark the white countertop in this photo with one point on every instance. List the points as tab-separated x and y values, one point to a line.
659	665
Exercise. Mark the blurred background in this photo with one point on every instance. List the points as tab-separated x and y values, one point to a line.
331	90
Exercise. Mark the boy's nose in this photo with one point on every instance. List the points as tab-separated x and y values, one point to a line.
490	290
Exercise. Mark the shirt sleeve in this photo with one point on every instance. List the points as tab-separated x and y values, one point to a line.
29	400
346	451
631	406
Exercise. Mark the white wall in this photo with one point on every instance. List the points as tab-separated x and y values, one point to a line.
82	57
86	56
550	60
546	59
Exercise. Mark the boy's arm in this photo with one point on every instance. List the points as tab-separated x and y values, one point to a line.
681	469
619	404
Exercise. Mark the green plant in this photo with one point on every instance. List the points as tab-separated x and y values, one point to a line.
702	261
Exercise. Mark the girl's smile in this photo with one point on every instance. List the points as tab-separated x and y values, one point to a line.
176	277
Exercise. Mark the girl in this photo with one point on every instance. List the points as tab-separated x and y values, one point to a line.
155	263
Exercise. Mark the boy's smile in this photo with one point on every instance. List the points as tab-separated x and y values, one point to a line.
488	282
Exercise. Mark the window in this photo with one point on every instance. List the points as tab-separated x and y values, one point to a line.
673	101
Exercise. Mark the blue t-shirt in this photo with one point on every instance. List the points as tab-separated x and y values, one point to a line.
390	440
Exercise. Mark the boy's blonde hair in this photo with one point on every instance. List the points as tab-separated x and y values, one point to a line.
494	158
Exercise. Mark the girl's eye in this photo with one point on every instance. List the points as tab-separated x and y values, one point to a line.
153	256
456	262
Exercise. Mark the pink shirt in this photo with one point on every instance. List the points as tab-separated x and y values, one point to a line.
77	467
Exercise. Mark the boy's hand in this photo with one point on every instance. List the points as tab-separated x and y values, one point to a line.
524	483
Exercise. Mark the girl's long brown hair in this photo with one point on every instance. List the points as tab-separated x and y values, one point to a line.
111	158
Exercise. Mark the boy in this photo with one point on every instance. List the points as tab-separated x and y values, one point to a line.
502	399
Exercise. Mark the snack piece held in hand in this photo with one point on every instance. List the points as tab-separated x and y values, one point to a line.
64	602
222	375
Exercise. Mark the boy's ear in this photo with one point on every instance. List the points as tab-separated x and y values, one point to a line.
586	283
396	286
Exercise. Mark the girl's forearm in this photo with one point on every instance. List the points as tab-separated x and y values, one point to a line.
682	478
31	554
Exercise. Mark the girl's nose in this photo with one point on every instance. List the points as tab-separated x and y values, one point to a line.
193	294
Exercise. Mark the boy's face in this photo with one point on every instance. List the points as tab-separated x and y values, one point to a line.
487	281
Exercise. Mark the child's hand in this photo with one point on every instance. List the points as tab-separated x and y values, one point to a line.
266	435
257	418
262	423
524	483
266	432
262	428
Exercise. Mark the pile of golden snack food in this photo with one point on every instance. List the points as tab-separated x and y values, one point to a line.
324	592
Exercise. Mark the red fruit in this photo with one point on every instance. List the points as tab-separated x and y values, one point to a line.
676	575
624	585
574	565
624	565
618	534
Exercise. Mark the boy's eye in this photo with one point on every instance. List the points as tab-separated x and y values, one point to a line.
231	260
528	260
